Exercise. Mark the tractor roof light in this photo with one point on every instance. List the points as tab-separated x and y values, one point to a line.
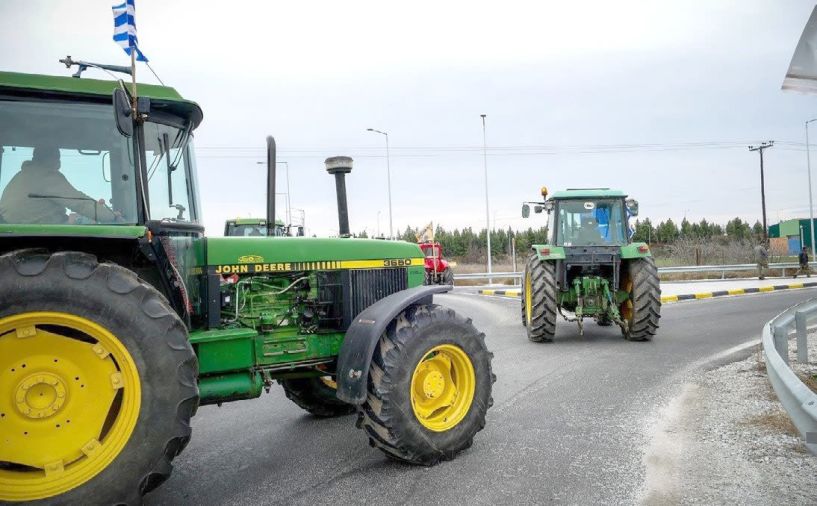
544	192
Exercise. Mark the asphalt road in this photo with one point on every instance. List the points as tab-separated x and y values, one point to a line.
569	423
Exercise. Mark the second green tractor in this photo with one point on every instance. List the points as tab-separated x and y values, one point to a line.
589	268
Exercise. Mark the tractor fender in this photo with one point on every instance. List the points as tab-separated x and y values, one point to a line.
364	333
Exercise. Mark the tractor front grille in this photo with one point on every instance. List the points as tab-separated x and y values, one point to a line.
367	286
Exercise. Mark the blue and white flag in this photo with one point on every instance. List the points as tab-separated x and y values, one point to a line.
124	28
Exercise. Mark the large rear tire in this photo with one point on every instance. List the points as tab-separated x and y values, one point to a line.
642	310
429	386
448	277
98	383
539	299
317	395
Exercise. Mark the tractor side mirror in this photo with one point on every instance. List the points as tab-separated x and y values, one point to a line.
525	210
632	206
122	112
538	209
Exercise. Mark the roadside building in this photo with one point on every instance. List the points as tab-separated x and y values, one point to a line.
790	235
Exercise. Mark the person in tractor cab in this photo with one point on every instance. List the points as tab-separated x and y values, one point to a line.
589	232
40	193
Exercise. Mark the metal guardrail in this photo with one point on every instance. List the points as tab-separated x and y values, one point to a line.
798	400
723	269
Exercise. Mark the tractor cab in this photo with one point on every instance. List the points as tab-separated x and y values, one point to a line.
586	217
253	227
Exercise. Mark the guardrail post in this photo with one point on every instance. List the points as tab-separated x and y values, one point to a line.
781	341
800	321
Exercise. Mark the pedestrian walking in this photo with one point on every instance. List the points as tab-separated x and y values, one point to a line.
802	258
762	260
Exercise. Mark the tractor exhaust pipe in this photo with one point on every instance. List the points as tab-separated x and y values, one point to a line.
340	166
270	186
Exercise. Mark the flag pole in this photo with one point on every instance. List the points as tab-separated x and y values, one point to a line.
133	76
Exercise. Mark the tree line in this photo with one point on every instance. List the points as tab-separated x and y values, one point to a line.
667	232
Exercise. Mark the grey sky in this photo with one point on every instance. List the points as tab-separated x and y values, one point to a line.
557	81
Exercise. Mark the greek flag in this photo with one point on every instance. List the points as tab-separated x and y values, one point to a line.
124	28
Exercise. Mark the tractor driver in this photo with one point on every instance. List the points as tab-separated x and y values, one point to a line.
589	232
41	175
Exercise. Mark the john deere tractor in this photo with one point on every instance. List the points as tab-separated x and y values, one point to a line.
589	267
119	318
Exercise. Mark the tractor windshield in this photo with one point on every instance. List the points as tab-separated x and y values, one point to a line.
590	222
64	163
431	251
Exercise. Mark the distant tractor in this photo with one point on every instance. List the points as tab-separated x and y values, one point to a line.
119	317
255	227
589	267
438	269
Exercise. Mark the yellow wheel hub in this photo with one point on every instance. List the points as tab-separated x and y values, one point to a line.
69	401
40	395
528	298
442	387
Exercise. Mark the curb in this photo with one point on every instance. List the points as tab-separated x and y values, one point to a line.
736	291
688	296
505	293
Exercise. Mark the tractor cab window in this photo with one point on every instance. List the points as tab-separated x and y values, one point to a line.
171	194
590	223
64	163
244	230
432	252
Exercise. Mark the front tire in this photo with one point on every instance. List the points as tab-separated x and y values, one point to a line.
429	386
98	395
642	310
317	396
539	299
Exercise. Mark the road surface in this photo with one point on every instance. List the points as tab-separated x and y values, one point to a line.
569	422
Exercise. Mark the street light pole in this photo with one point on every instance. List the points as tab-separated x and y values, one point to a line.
289	204
763	146
487	211
388	177
810	204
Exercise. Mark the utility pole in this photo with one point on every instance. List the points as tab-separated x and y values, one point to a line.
763	146
810	204
487	212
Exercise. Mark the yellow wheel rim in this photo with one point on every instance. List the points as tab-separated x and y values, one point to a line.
442	387
626	309
69	401
528	298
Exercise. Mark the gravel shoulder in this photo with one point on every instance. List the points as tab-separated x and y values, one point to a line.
727	439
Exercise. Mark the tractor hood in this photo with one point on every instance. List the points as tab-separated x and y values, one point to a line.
240	255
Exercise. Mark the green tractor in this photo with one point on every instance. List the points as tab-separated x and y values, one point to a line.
119	318
589	267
